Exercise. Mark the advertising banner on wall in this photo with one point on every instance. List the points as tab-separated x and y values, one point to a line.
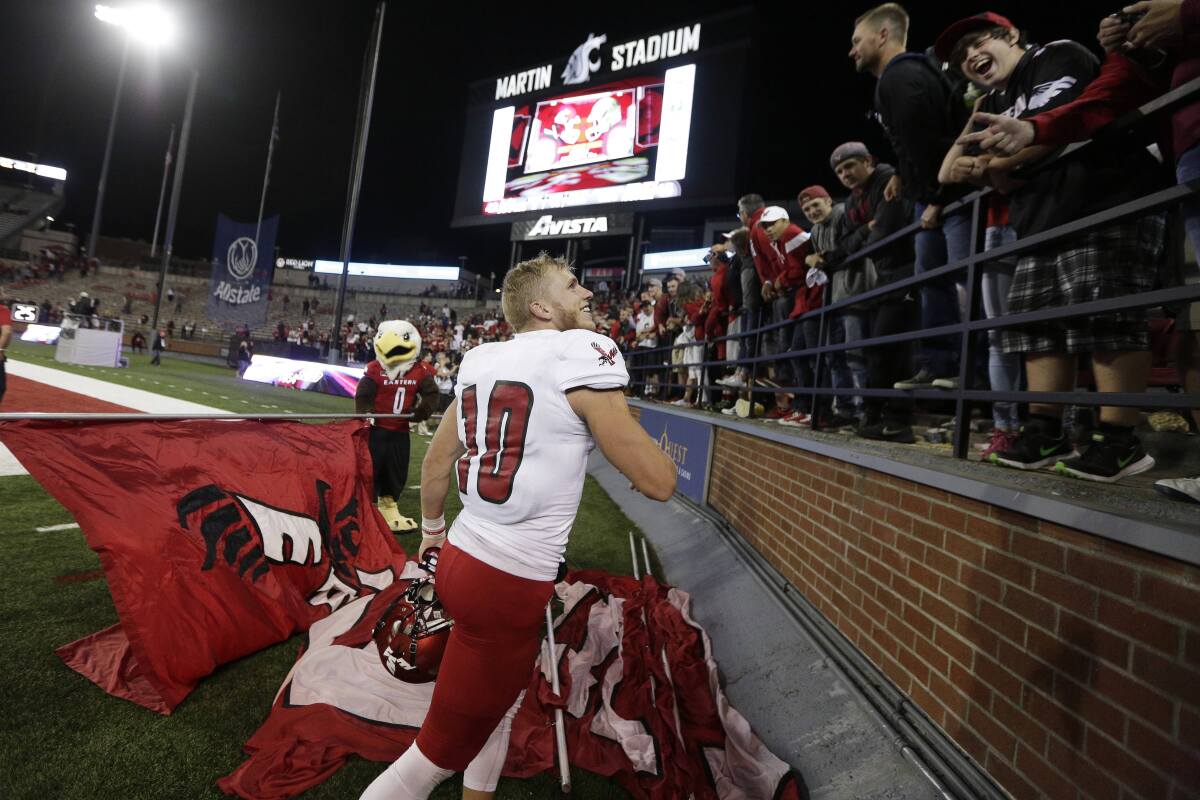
241	272
689	444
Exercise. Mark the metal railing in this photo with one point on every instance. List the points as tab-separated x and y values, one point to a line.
963	396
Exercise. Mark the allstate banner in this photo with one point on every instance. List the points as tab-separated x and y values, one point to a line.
241	276
689	444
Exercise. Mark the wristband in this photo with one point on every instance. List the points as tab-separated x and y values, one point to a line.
433	527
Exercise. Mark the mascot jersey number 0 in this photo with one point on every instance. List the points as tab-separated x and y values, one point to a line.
396	382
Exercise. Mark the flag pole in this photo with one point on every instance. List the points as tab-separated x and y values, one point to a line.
560	732
162	192
262	200
135	417
365	101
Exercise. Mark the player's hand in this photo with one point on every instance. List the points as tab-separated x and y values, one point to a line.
1161	27
892	190
433	534
1003	135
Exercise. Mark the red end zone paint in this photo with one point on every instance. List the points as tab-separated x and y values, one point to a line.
24	395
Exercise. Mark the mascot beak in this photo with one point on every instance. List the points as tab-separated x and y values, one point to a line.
392	349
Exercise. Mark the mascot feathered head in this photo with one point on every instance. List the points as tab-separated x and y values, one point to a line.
397	346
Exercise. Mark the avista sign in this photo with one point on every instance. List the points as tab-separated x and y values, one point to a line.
548	226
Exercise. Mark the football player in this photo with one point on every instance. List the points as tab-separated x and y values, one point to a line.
525	416
396	382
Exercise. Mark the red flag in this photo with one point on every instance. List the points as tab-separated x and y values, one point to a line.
217	538
680	738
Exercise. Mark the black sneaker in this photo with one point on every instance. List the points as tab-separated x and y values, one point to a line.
1033	448
922	380
838	421
1107	458
887	432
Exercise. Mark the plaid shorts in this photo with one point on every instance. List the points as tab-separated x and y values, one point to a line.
1116	261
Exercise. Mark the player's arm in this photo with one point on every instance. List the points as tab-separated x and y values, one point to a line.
427	395
364	396
623	442
444	450
5	338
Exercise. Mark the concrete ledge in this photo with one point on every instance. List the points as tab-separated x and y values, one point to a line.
1118	513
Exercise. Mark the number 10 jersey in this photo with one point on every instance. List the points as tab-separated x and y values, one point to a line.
522	475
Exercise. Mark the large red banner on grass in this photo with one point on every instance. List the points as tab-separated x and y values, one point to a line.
640	692
217	538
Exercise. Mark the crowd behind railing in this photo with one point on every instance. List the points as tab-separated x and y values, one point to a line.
987	225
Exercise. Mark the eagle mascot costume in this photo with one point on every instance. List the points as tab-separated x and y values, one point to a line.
396	382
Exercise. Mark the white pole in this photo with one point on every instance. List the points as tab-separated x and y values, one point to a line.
560	731
646	558
633	555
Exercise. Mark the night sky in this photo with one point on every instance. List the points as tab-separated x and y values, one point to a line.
60	65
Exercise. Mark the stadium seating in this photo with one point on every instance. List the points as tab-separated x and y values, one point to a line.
20	207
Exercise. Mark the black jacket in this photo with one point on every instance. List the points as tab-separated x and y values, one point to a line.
865	204
922	119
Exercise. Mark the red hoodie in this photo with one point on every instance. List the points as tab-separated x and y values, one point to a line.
791	250
766	262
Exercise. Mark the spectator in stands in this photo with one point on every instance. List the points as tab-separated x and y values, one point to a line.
286	300
170	294
848	368
922	113
137	342
873	218
789	246
1114	261
1004	369
171	328
646	326
1122	85
160	344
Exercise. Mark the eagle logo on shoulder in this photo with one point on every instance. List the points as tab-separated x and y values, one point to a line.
608	358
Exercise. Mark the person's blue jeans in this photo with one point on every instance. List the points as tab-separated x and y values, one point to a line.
941	300
848	368
1187	169
1004	369
805	334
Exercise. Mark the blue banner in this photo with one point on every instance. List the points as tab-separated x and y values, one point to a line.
689	444
241	272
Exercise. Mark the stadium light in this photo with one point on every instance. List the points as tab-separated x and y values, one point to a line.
148	23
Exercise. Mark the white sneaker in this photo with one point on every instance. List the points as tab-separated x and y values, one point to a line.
733	382
1185	489
797	420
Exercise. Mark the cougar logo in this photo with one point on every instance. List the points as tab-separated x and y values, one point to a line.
608	358
580	65
241	257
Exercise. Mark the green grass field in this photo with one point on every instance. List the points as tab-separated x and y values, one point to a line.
63	737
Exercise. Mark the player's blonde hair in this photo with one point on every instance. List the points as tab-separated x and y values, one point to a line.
891	16
522	285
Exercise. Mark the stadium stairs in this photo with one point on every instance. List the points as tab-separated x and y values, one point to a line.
1019	633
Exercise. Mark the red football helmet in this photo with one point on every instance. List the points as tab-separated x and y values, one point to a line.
413	631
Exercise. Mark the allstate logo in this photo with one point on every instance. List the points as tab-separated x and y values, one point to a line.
241	258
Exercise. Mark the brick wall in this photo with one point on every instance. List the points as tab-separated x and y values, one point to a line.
1066	664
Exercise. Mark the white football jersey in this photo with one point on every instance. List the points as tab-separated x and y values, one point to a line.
522	475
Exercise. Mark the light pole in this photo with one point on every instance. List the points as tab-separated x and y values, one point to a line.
176	187
112	129
152	26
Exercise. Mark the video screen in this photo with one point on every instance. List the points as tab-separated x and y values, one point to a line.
664	133
307	375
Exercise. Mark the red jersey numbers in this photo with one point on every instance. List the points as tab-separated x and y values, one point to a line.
505	427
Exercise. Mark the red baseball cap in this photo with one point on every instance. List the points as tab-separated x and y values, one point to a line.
944	45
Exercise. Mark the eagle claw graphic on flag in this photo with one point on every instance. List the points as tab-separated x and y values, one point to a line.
249	536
